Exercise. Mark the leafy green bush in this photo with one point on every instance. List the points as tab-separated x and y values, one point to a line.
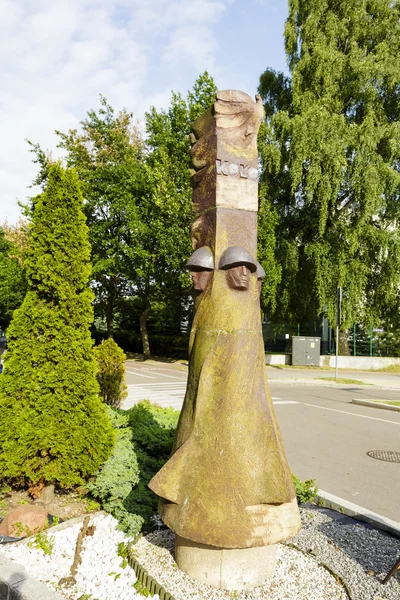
306	491
111	372
53	425
144	437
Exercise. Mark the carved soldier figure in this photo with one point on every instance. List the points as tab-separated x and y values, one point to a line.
201	266
260	274
227	490
238	264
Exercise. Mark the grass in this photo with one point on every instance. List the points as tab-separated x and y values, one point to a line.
391	402
303	368
343	380
390	369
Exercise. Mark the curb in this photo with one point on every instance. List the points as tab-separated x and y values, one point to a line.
316	382
375	404
16	584
332	384
359	513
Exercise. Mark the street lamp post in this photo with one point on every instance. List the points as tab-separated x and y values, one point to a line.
338	319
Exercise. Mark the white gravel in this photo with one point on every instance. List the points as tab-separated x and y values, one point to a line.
100	572
297	576
361	556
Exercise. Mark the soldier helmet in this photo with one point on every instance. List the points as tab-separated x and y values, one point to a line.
260	271
201	260
234	256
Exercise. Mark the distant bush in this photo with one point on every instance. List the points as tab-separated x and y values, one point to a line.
144	437
111	372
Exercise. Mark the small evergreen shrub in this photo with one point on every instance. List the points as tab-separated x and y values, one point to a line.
111	372
144	437
53	425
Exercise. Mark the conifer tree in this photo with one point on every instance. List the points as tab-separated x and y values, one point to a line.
53	425
331	159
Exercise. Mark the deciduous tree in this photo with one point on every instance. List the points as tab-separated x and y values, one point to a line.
331	158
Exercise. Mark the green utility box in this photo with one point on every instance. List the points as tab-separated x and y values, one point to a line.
305	351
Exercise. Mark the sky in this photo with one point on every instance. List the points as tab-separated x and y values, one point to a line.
58	56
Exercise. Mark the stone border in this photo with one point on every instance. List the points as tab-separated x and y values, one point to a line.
369	403
16	584
359	513
144	576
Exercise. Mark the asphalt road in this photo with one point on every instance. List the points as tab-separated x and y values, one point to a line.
326	437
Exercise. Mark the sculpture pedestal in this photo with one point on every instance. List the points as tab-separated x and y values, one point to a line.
225	568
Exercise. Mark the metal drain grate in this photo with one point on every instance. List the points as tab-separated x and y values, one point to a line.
386	455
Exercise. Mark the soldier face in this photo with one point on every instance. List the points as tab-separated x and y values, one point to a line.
259	286
238	278
200	280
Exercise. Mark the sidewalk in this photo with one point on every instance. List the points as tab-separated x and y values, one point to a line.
298	375
307	376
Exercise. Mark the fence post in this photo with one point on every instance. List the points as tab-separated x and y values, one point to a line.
370	340
354	340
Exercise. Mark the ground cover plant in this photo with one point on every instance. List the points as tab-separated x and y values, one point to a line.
144	436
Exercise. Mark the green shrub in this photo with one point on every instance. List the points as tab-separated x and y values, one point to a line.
53	425
144	437
111	372
306	491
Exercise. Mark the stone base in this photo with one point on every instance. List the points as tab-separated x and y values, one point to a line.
225	568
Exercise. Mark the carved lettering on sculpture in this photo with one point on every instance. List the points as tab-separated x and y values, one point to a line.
224	167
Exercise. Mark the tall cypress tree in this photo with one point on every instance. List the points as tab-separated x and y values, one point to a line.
333	158
53	425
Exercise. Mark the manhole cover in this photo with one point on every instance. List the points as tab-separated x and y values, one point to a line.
386	455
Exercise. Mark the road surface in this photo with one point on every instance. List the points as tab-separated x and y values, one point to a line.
326	437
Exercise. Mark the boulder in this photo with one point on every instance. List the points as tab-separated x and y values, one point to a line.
24	521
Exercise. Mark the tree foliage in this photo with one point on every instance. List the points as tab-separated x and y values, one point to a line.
12	280
138	202
53	426
330	152
107	153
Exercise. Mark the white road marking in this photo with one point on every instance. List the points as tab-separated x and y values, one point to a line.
170	393
345	412
285	402
155	373
161	385
140	374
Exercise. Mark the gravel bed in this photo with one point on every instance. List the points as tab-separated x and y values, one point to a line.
360	556
358	553
297	576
